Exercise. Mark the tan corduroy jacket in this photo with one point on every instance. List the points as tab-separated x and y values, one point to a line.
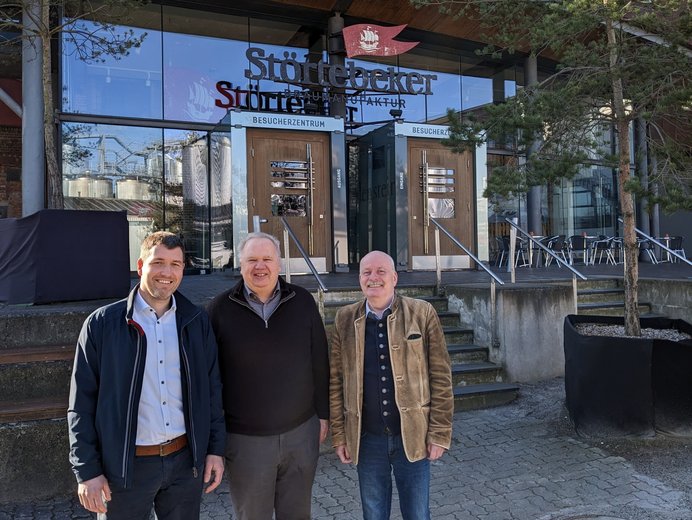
421	370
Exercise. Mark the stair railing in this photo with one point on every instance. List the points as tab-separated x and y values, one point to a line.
512	244
493	277
321	288
661	245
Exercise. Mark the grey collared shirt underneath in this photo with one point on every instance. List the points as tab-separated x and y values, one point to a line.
263	309
368	309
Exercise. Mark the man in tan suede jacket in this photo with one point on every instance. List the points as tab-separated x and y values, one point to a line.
390	392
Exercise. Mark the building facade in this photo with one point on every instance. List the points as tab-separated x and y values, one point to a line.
229	118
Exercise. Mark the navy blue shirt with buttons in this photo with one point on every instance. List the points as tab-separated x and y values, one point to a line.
380	414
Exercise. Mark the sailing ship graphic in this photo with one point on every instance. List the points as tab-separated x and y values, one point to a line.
369	39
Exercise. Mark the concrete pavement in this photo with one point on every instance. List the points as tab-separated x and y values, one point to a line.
521	461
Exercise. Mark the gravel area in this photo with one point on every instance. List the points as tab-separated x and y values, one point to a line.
598	329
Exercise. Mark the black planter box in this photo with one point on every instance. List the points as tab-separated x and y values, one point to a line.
628	386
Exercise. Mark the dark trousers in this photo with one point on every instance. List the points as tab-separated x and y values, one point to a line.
273	473
165	483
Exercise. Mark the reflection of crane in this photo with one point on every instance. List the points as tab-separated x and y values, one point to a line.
115	167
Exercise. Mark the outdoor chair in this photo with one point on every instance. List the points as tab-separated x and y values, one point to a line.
647	247
494	253
600	246
519	251
557	246
676	247
502	250
578	245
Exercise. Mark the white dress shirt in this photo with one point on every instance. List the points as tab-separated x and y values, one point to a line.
160	417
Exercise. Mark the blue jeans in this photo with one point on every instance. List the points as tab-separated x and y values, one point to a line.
378	456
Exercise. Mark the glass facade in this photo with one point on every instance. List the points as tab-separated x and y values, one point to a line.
138	130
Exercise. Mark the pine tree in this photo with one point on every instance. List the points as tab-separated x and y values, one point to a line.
615	63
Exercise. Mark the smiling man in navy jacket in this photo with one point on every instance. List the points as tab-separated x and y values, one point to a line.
275	371
145	419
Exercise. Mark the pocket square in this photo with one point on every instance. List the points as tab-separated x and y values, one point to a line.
414	336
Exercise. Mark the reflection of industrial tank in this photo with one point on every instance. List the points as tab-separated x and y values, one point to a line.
78	187
133	189
101	188
89	187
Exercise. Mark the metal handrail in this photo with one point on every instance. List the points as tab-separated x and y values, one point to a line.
301	250
575	273
547	250
659	244
493	277
322	288
459	244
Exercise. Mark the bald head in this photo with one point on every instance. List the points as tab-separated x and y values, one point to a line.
378	279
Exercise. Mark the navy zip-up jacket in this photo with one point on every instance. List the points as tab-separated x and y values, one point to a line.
107	383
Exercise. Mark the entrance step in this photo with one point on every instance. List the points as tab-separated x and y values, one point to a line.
612	308
35	372
466	374
35	409
605	297
479	396
467	353
457	335
599	295
35	451
448	318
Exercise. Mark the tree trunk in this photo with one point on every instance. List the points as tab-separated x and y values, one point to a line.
53	174
631	265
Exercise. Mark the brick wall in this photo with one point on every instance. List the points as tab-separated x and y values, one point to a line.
10	171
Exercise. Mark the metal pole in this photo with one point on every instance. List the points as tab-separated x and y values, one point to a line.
574	293
512	248
33	154
257	223
493	314
287	257
438	268
320	301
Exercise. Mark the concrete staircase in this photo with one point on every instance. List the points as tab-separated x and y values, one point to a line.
36	352
605	297
478	383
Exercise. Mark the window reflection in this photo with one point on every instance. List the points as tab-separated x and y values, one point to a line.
175	74
160	177
288	205
441	208
115	168
186	193
221	209
126	85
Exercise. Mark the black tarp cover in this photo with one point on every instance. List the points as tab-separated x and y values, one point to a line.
60	255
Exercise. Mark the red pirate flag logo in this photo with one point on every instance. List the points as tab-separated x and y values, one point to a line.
374	40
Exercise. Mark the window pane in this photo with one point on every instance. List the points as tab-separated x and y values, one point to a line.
125	85
221	204
186	193
115	168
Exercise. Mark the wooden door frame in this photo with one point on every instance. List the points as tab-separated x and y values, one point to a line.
322	139
458	258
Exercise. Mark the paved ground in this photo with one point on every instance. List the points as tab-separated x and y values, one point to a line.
521	461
